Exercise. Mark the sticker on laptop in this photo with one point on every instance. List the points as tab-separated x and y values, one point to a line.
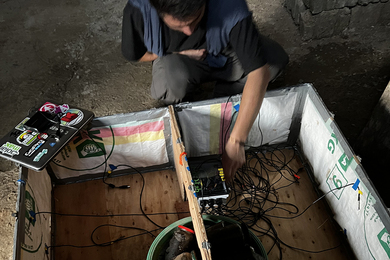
40	155
53	108
20	126
43	136
10	149
34	148
72	117
27	137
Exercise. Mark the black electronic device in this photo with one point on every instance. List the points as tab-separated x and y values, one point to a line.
209	181
39	137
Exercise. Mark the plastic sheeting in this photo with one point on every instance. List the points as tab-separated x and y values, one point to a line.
137	139
334	167
206	127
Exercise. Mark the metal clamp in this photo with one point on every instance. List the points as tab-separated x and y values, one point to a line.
21	181
191	188
206	245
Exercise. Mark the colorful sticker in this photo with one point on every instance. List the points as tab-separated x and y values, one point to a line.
53	108
48	107
34	148
10	149
40	155
72	117
43	136
20	126
27	137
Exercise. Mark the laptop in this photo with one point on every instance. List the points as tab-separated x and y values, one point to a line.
38	138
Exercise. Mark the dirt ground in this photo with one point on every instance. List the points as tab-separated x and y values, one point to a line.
69	52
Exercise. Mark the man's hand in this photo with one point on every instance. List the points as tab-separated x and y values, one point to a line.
195	54
148	56
232	158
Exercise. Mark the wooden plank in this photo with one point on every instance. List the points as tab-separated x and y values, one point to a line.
160	194
182	169
312	231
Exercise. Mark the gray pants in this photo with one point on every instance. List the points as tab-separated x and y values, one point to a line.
176	76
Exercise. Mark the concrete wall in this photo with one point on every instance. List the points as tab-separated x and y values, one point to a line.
325	18
374	146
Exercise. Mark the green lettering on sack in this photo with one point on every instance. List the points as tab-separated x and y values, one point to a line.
90	148
30	207
336	180
384	239
345	162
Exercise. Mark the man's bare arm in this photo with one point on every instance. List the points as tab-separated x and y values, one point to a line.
252	98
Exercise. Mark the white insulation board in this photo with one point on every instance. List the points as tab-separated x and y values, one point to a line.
33	230
332	168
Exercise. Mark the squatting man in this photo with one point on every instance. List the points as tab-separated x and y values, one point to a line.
195	41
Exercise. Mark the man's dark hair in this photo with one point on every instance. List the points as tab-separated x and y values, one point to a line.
179	9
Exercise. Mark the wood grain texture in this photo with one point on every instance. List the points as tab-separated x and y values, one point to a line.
185	177
312	231
161	193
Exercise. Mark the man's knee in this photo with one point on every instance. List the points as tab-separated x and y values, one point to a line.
171	79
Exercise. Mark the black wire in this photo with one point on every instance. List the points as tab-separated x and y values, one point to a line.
253	182
309	251
105	161
110	215
223	124
261	132
142	190
109	242
323	196
117	215
105	168
248	180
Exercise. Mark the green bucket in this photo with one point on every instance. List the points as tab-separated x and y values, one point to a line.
162	240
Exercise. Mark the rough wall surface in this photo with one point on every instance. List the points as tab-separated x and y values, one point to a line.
325	24
324	18
370	15
374	146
